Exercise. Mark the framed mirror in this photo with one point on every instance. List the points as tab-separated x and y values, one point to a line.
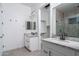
34	25
28	25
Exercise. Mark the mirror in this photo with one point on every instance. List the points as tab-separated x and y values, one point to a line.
34	25
30	25
67	21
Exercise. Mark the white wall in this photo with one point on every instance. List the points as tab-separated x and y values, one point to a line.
14	30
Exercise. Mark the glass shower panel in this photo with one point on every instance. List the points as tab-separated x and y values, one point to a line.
72	28
59	26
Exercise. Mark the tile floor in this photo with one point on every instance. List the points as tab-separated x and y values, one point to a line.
22	52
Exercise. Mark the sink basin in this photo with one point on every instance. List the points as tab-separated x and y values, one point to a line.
57	40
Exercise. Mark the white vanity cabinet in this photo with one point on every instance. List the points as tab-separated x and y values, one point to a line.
54	49
31	43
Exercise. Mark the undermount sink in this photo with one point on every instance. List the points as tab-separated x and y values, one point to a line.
58	40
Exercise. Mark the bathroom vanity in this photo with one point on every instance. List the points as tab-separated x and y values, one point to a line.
56	47
31	42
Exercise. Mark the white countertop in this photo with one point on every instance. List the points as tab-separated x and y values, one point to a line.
67	43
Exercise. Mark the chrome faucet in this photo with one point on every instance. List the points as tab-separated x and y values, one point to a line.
63	35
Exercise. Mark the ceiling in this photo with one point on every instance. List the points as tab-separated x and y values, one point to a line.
33	5
68	7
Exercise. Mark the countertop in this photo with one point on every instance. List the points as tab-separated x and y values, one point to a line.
30	35
66	43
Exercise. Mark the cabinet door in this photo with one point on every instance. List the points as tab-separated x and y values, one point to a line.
45	51
64	50
34	43
77	53
50	49
55	53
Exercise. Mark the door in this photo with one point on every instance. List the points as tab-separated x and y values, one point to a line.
1	32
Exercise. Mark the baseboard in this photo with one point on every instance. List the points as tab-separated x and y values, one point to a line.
13	49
